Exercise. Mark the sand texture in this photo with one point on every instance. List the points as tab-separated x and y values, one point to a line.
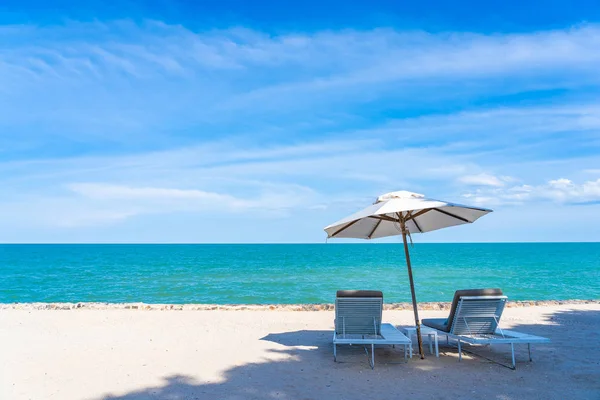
127	354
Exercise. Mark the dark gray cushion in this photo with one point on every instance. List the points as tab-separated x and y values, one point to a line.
436	323
359	293
469	292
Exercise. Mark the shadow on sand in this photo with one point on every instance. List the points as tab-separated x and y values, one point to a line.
307	370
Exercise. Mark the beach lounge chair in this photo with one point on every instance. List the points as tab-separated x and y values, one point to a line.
358	322
474	319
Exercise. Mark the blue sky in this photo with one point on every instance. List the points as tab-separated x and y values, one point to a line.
225	121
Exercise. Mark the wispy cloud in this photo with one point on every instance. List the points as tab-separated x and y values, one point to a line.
165	200
484	179
109	123
170	78
154	47
214	178
102	204
116	192
563	191
224	175
523	126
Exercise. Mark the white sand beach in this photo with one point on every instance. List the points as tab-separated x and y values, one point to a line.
138	354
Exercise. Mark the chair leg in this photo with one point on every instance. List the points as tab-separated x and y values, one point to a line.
430	345
512	349
437	349
459	351
334	353
529	350
372	356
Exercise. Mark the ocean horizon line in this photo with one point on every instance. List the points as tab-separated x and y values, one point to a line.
337	242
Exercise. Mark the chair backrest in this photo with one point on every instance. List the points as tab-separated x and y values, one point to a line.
469	292
358	312
477	315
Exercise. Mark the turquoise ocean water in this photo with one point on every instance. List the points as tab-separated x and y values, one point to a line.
292	273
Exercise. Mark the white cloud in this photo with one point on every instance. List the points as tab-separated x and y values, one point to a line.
77	218
233	176
116	192
213	178
483	179
505	125
104	204
562	191
154	47
185	75
276	200
234	163
146	101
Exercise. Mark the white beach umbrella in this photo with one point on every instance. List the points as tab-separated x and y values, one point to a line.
404	213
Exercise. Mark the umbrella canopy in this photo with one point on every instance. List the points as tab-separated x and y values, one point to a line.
420	214
403	213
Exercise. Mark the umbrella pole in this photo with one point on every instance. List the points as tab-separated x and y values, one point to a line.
412	290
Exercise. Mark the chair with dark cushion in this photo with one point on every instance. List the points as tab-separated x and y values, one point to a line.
474	318
445	324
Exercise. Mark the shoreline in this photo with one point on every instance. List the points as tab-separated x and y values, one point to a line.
435	306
